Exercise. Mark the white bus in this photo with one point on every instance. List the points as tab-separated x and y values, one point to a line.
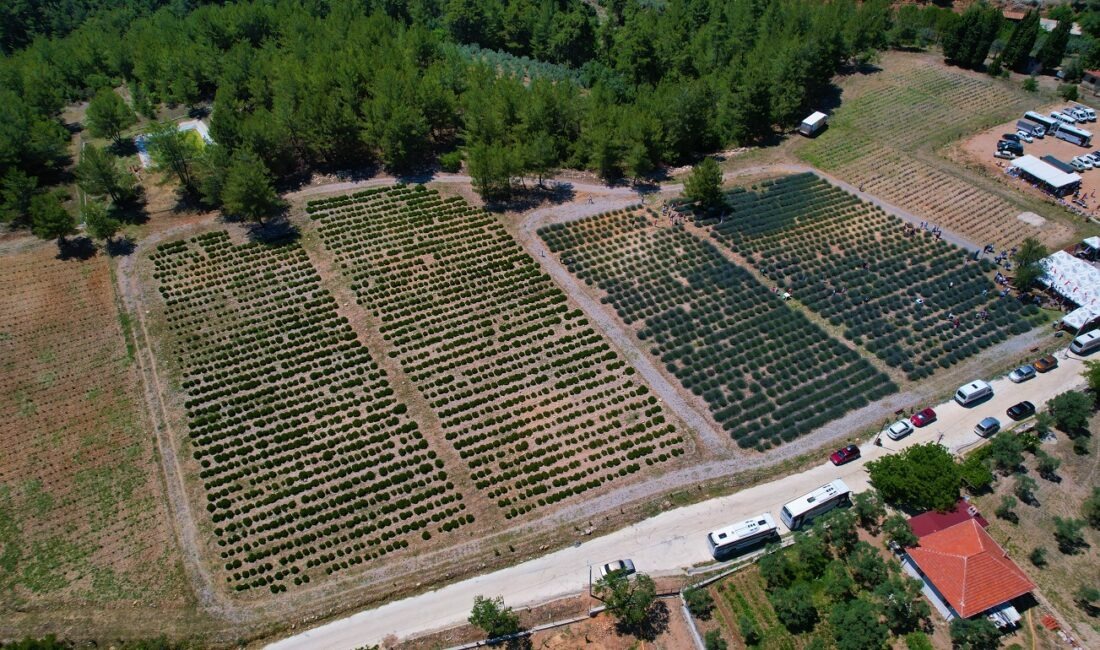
805	508
1049	124
740	536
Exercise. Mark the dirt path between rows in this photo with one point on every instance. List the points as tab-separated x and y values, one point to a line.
183	520
590	198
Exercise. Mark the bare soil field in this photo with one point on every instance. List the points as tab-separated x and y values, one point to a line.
883	137
85	540
979	150
1063	573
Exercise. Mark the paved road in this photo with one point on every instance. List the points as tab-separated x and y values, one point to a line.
668	543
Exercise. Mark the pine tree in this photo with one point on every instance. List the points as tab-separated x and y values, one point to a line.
248	192
98	222
50	219
1017	51
173	152
1053	49
99	173
704	185
108	115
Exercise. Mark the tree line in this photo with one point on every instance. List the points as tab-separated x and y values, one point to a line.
299	85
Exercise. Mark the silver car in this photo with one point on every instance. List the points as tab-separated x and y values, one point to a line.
988	427
625	567
1022	374
899	430
1025	136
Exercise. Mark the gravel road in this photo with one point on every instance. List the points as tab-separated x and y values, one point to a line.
669	543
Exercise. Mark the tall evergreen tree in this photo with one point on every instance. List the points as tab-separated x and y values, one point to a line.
1053	49
1017	51
174	152
248	192
100	174
108	115
50	219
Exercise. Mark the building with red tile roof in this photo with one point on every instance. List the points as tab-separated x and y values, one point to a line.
931	522
968	569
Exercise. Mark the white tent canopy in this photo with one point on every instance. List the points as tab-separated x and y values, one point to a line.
1092	242
1045	172
1079	318
1073	278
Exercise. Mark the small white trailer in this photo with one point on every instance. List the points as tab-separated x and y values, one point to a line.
812	124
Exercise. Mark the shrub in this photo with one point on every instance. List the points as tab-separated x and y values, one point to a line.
699	602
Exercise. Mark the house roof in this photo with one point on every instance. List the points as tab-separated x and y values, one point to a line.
1013	15
931	522
969	569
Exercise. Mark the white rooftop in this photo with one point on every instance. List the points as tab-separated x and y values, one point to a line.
1045	172
1073	278
814	118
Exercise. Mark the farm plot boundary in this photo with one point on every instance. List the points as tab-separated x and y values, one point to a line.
538	404
699	313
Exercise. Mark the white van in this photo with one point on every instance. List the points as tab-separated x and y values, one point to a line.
1088	112
1064	119
1086	343
975	391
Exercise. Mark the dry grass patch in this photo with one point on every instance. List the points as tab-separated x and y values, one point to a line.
82	518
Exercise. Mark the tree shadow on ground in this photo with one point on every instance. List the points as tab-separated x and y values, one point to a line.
76	248
132	210
553	193
120	247
123	148
654	625
276	231
187	202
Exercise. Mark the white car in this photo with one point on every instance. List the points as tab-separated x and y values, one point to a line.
899	430
1022	374
1025	136
1087	162
626	567
1077	165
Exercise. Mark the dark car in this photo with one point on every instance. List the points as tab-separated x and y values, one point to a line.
1022	410
1011	136
923	418
1008	145
844	455
1046	364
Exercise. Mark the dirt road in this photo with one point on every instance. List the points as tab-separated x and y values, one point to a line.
670	542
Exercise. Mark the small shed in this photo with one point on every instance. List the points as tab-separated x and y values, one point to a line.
813	124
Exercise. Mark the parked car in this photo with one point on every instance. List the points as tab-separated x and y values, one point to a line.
899	430
1078	166
1087	162
625	567
1024	409
1008	145
1045	364
1094	157
988	427
1022	374
1025	136
1005	155
1015	137
922	418
844	455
